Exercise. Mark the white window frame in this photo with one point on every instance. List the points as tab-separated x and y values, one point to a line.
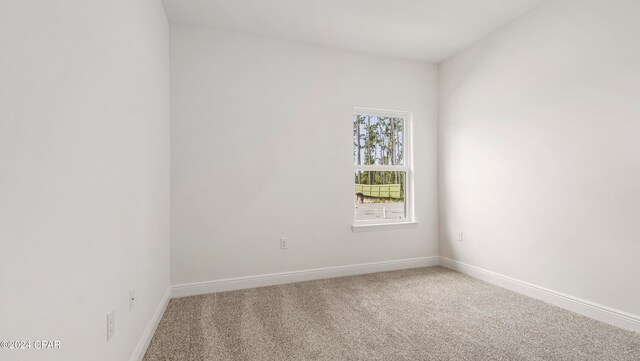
407	167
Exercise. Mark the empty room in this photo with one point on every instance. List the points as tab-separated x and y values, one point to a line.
367	180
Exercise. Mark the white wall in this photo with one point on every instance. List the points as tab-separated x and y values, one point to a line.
84	173
262	148
539	151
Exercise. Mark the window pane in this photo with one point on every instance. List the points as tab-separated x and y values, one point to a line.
378	140
380	195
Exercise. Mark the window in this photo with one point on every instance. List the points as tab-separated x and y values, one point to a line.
382	165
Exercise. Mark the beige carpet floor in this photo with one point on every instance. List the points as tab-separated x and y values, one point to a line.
421	314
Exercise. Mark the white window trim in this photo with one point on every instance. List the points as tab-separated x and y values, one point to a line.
382	226
407	167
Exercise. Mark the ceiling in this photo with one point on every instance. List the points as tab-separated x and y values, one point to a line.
430	30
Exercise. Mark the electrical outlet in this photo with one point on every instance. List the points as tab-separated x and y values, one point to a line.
459	236
284	243
132	299
111	324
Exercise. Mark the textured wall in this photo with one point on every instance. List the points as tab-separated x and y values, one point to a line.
539	152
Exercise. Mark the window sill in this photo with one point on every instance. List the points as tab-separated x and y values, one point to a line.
382	226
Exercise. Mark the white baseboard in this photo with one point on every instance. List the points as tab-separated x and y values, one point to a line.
590	309
199	288
145	339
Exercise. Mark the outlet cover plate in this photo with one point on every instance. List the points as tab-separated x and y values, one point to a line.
111	325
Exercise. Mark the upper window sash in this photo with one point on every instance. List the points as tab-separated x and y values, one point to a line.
404	138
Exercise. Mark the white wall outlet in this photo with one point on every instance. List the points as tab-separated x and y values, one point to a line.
111	324
459	236
132	299
284	243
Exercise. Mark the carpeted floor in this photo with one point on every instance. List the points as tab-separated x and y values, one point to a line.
421	314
